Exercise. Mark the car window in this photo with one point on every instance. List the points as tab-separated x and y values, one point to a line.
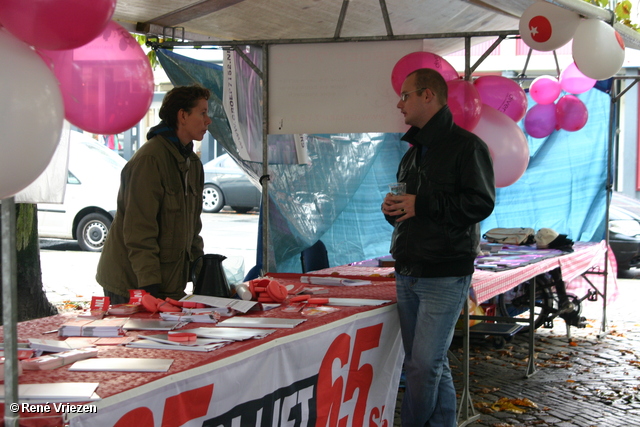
627	203
72	179
225	162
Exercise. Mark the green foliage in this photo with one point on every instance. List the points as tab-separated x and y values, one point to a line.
622	11
601	3
153	58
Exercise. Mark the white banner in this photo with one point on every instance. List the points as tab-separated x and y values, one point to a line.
51	185
230	102
344	373
335	87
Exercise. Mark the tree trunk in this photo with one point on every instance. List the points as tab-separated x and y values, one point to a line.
32	300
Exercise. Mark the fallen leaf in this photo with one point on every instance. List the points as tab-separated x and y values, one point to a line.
524	402
505	404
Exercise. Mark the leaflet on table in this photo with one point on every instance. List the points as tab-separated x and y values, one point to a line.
59	345
109	327
235	304
235	334
199	315
333	281
161	346
122	364
56	360
164	338
261	322
354	302
153	324
55	392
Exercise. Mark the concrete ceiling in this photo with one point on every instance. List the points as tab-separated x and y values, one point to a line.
208	21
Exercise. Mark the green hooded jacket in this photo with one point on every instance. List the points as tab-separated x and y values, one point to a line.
155	235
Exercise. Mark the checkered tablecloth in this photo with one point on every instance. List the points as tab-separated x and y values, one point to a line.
487	284
587	256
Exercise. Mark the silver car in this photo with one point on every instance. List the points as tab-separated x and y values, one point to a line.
226	184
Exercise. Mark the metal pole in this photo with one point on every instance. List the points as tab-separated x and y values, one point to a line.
9	316
265	159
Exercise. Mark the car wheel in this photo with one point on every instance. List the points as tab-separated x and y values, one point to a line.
241	210
212	199
92	232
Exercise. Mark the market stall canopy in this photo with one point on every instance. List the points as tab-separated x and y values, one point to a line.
282	21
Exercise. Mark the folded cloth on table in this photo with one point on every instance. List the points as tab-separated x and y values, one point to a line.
547	238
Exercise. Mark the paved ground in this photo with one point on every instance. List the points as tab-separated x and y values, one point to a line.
585	381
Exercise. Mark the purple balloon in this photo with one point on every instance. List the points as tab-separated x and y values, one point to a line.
540	120
503	94
571	113
107	84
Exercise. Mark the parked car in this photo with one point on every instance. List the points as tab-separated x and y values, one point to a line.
624	231
90	197
226	184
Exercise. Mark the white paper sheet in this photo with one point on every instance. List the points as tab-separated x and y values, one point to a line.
55	392
236	304
122	364
261	322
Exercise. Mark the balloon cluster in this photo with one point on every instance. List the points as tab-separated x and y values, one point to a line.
598	49
568	112
490	107
64	59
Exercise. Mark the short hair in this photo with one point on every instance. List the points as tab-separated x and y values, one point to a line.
429	78
181	98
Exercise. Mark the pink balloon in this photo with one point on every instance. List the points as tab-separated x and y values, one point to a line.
107	84
540	120
507	144
464	103
545	89
503	94
573	81
571	113
56	24
413	61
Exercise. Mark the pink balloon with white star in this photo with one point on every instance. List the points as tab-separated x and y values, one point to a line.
545	27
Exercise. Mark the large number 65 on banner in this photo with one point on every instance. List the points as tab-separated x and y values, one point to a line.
344	373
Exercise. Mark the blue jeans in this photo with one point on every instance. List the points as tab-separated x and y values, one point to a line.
429	309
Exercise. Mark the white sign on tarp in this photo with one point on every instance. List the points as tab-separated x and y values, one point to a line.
335	87
230	103
344	373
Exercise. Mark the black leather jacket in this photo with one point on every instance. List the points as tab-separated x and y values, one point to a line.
455	190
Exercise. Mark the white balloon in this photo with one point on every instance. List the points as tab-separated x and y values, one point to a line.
507	144
31	115
598	49
544	26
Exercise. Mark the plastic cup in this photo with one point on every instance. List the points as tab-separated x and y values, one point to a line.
398	188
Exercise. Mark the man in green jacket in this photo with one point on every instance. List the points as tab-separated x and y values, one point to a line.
155	235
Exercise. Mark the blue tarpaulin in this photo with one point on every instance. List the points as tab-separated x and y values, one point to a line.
336	196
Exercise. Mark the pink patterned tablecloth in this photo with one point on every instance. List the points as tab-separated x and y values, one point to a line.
487	284
586	256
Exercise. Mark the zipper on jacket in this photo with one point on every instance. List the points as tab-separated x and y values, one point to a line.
186	177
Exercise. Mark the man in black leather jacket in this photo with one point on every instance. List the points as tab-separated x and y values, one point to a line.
450	188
